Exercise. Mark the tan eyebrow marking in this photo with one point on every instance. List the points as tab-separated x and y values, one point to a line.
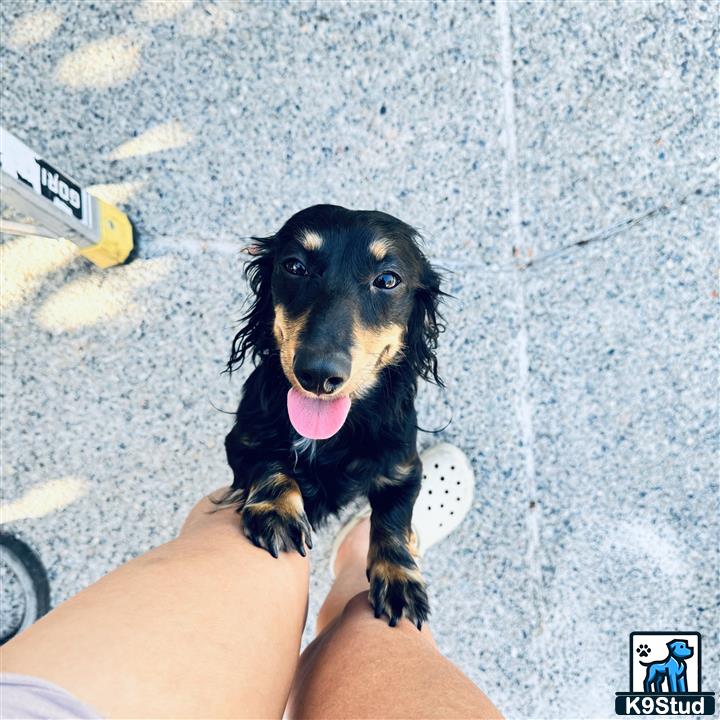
379	248
310	240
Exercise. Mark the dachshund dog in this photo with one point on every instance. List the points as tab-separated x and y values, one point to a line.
343	323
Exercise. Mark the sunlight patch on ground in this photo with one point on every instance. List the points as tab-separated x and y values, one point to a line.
24	261
33	29
117	193
166	136
208	20
102	296
661	551
101	63
155	11
42	500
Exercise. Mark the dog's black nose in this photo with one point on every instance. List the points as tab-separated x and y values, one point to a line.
320	372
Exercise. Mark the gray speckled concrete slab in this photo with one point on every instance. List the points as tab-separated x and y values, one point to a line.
121	401
615	111
581	385
625	334
278	111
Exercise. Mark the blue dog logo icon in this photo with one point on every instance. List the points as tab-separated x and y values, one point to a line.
665	676
673	669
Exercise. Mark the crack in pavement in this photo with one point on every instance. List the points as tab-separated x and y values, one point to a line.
619	227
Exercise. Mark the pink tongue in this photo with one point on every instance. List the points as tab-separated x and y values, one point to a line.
314	418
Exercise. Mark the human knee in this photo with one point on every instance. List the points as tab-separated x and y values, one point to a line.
357	608
208	515
359	611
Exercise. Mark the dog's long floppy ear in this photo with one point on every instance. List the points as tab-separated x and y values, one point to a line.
425	325
255	336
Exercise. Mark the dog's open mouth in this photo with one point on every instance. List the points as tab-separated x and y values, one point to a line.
315	418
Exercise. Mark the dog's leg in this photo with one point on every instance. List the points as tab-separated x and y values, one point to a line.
647	687
659	680
274	514
396	585
681	684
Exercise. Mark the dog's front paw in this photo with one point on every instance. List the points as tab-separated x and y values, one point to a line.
397	591
276	528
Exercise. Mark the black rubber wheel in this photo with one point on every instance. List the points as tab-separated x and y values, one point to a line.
24	586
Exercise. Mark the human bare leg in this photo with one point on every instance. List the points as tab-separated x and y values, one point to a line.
359	667
206	625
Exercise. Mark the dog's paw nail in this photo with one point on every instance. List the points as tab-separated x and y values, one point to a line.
398	594
275	531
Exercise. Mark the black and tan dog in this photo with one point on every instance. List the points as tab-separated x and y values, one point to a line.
344	321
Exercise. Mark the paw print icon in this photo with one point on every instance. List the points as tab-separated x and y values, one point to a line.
643	650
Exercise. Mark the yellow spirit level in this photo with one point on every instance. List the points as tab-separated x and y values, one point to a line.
59	206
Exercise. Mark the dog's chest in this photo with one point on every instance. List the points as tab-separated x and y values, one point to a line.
329	478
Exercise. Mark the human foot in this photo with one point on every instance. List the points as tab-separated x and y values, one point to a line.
353	549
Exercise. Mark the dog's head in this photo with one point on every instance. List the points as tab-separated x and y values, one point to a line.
679	649
341	294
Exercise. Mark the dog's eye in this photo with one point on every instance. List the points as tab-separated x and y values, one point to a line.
387	280
295	267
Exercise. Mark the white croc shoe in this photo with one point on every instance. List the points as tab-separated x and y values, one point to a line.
444	500
445	497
